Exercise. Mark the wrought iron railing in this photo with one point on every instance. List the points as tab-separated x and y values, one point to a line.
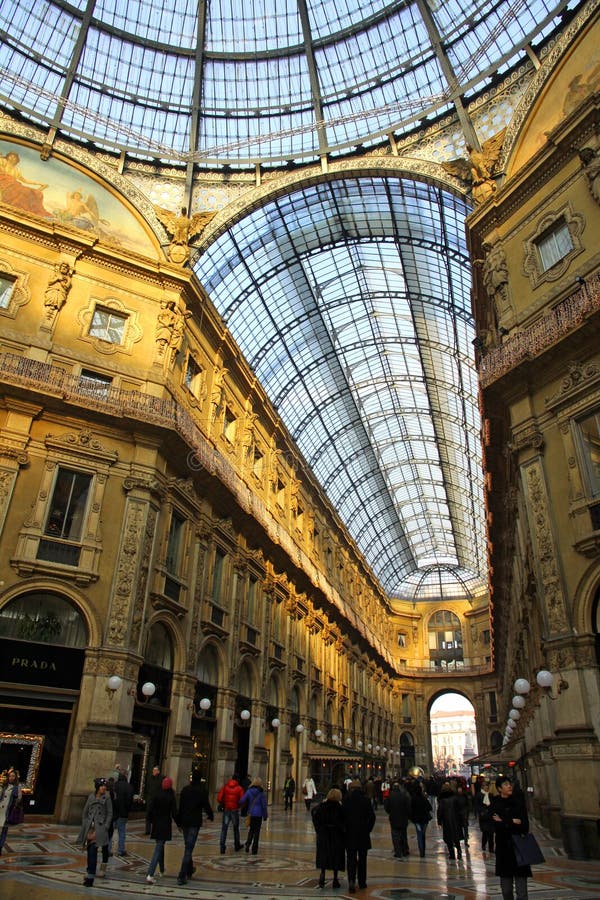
552	327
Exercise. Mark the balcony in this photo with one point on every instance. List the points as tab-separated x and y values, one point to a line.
542	334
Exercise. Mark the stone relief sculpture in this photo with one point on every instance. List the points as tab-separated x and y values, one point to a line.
59	285
480	168
183	229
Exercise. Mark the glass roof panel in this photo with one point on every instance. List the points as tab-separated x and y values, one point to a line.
374	380
279	79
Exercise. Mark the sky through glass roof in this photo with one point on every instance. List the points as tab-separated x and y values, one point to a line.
350	300
255	81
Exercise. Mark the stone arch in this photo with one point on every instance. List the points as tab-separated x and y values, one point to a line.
247	679
410	168
173	628
584	599
212	670
275	690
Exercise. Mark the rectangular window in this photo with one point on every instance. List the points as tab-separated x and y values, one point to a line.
229	425
68	505
554	244
193	377
94	384
217	582
174	544
64	525
485	635
258	464
6	288
108	325
589	441
401	639
251	599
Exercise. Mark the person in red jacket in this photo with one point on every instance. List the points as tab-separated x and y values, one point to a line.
228	799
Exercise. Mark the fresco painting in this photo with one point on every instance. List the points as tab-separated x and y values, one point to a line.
61	193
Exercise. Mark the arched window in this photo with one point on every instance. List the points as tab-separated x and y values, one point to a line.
445	640
207	670
160	647
596	624
43	618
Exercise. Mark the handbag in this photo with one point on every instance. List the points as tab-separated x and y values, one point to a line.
527	850
248	819
16	814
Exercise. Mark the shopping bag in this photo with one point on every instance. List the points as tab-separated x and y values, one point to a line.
527	850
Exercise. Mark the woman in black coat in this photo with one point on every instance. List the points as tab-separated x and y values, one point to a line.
509	816
330	824
162	811
420	815
360	818
448	816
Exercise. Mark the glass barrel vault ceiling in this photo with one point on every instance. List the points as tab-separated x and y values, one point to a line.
255	81
351	301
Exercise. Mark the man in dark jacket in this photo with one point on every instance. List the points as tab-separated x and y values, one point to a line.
360	818
289	791
398	808
152	788
123	801
193	801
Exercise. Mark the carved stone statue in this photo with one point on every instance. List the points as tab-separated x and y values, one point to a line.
480	168
494	273
590	158
218	387
59	286
170	327
183	229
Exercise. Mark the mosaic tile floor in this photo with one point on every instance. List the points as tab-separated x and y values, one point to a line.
42	862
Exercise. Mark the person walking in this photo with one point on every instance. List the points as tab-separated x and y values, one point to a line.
162	812
289	791
509	815
448	817
11	803
360	819
462	804
309	789
483	802
193	801
122	803
420	814
329	822
398	808
255	802
153	786
95	820
229	799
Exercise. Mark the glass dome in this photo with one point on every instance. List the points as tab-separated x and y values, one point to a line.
278	80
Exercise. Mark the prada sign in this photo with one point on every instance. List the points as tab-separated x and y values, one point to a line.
22	662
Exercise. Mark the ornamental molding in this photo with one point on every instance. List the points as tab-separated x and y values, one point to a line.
580	378
546	552
527	437
81	443
10	451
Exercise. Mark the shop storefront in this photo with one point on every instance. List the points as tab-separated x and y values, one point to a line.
42	651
